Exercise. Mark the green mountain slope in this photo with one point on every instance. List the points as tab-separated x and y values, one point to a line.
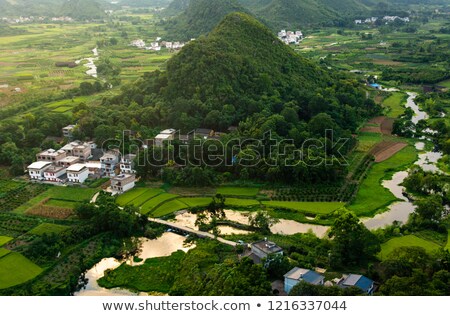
176	7
82	9
200	17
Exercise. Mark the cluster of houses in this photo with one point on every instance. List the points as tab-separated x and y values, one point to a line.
387	19
290	37
157	44
30	19
264	248
77	161
171	134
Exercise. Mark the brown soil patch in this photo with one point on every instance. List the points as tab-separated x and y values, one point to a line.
384	125
50	211
386	150
386	62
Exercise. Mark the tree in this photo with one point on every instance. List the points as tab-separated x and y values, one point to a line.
429	210
277	265
353	243
262	221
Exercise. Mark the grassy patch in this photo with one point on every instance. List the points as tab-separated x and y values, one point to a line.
4	252
4	240
196	202
148	194
16	269
237	191
395	104
406	241
61	203
448	241
59	193
241	202
168	208
307	207
372	196
48	228
155	275
127	197
159	199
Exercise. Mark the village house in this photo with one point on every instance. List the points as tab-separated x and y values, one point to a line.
204	133
78	149
36	169
94	168
77	173
290	37
68	161
122	183
68	131
55	174
264	248
360	281
109	162
297	275
127	164
51	155
164	136
139	43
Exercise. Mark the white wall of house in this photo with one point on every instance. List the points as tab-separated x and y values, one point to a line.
54	176
36	174
77	177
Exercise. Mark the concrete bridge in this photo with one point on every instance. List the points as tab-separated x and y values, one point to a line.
193	231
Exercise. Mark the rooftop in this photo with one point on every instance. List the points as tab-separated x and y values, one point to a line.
309	276
52	152
69	159
76	167
267	246
168	131
122	177
39	164
163	136
54	168
358	280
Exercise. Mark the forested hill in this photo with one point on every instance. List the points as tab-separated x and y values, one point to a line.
82	9
300	13
77	9
176	7
241	73
200	17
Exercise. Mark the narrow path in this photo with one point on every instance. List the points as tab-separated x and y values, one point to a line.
193	231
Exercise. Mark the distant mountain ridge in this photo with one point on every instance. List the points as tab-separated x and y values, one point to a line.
200	17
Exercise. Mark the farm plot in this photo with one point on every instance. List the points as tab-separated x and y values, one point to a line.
4	252
48	228
240	202
196	202
371	195
307	207
127	197
4	240
148	194
238	191
13	194
168	208
386	150
159	199
16	269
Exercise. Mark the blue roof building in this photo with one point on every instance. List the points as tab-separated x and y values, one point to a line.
360	281
297	275
375	85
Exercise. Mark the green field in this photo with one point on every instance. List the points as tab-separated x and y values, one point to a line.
307	207
16	269
238	191
372	196
67	194
4	252
148	194
127	197
445	83
395	104
168	208
156	274
159	199
195	202
61	203
406	241
4	240
48	228
240	202
448	241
